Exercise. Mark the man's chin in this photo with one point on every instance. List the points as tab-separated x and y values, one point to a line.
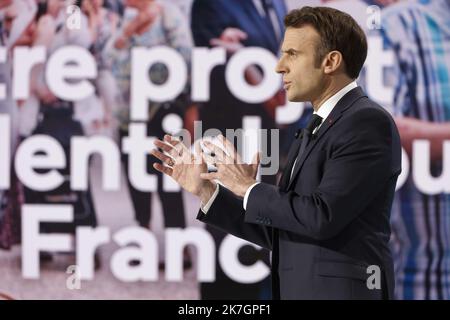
295	98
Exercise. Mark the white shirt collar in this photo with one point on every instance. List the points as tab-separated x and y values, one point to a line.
326	108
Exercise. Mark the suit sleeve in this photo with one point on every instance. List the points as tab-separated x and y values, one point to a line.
358	168
227	214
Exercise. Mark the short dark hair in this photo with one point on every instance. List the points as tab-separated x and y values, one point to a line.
337	30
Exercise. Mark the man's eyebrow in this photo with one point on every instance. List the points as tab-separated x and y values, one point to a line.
290	50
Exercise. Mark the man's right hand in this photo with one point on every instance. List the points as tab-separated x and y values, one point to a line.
183	166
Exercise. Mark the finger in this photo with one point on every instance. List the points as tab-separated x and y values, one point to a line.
209	176
256	159
229	147
215	42
241	35
226	144
198	153
164	158
198	147
227	35
234	34
176	143
217	152
228	45
255	163
163	169
164	146
171	140
209	159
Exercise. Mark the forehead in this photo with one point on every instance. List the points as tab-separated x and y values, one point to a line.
300	38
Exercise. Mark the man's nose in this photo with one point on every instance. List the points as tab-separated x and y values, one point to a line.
280	67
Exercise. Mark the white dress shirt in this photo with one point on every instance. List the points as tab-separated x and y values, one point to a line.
323	111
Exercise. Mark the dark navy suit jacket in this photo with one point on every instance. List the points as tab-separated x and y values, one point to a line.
331	221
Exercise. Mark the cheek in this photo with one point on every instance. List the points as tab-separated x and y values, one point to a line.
300	66
309	73
300	74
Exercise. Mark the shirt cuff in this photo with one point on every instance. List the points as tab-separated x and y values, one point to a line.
247	193
208	205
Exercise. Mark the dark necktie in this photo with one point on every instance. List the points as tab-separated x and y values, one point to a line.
313	123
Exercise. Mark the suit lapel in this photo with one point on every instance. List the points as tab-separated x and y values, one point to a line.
346	101
290	161
280	10
268	33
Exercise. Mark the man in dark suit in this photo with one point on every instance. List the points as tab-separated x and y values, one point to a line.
327	221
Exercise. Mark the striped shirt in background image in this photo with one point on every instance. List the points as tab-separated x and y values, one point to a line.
419	34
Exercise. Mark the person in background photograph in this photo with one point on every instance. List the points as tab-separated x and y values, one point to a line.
234	25
6	21
44	113
17	27
103	24
184	6
115	6
419	34
149	23
53	33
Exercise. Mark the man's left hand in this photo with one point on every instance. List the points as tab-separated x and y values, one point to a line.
231	171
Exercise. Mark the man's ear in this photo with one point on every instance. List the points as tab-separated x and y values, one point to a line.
332	62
